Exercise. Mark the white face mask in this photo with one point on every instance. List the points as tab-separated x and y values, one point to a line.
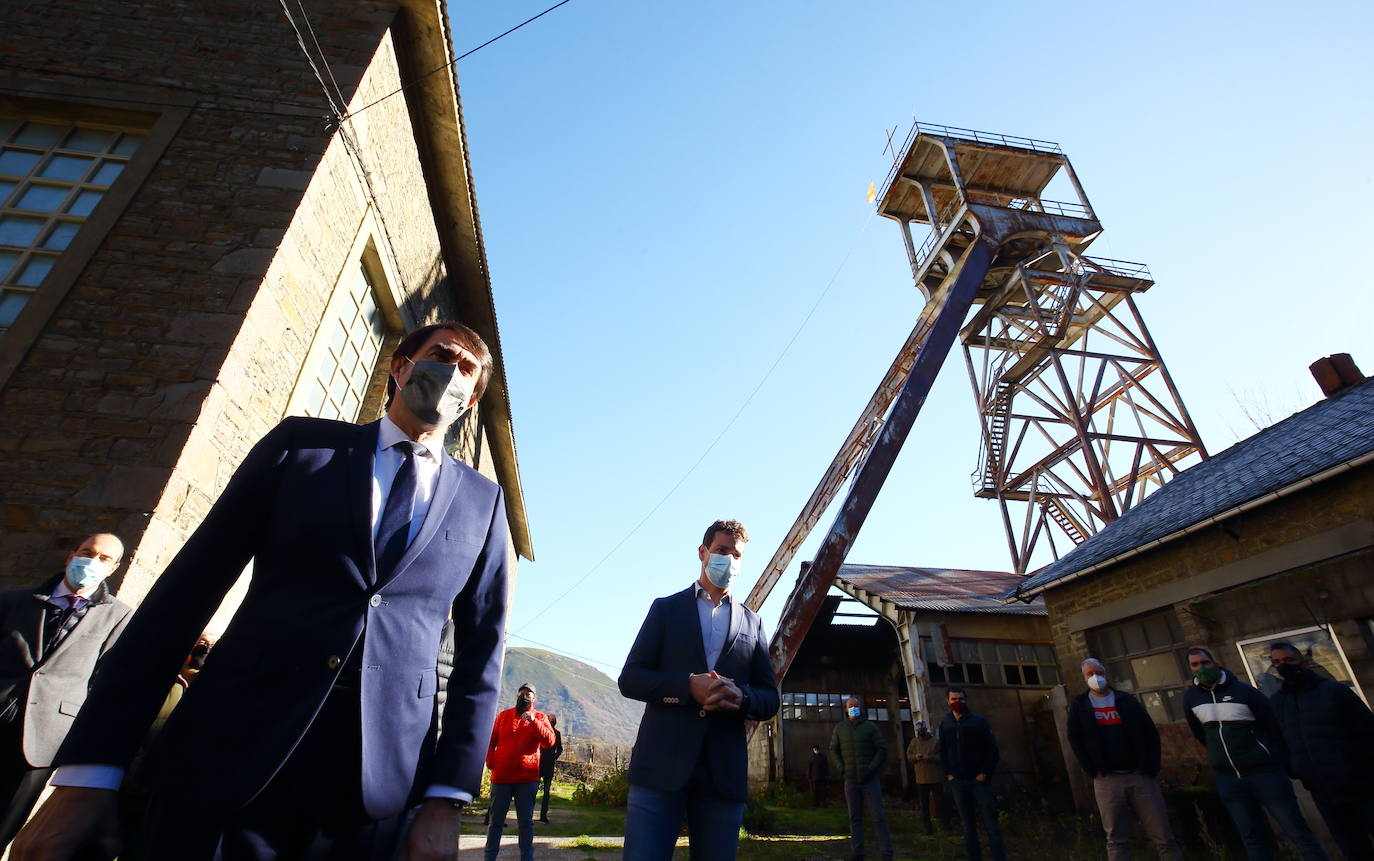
1097	682
84	572
721	568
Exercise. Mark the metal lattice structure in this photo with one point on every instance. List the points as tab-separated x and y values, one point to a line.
1079	417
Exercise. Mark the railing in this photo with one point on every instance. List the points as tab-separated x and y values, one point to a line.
941	222
961	134
1029	204
1124	268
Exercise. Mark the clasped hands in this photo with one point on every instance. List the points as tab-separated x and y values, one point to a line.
715	692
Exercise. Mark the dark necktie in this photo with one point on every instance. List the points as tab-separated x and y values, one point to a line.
393	531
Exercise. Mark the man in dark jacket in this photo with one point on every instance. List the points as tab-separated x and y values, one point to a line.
968	752
548	758
818	772
1330	736
1117	744
859	751
1248	757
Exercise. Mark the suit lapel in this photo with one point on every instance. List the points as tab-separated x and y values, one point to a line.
444	491
736	619
692	619
361	459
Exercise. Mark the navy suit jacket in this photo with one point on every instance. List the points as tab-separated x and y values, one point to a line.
299	506
675	731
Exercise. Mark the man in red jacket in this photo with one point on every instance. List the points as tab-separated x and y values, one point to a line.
513	757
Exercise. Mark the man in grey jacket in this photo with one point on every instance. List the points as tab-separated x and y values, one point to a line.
50	641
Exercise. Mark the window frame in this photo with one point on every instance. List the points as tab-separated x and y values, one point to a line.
1178	649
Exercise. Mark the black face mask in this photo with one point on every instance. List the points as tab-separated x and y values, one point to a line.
522	704
1290	672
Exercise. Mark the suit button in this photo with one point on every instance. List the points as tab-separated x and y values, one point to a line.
332	662
701	713
375	600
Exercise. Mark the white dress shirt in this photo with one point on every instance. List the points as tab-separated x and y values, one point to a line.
386	463
715	624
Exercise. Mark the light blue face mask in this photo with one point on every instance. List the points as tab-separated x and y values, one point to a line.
854	711
721	568
83	572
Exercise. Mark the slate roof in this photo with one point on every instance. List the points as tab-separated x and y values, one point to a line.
1328	433
941	590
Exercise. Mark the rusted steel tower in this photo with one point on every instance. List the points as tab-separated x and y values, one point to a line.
1079	418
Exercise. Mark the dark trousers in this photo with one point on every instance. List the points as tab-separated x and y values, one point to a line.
819	785
1247	797
1350	818
856	796
312	809
20	783
544	805
975	801
928	796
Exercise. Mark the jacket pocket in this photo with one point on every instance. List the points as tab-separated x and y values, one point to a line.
69	707
429	684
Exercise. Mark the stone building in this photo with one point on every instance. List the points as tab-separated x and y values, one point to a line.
1271	539
1000	654
194	245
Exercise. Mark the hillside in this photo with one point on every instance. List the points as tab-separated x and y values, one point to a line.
586	700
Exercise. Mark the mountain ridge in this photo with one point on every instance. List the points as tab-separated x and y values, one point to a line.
587	701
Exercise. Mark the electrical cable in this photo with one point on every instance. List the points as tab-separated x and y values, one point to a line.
563	651
570	673
728	425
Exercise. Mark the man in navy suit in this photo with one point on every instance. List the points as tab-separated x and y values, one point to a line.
700	663
313	724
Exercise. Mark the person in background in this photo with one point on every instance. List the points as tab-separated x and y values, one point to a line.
818	773
1117	744
548	758
1245	748
1329	732
52	637
969	754
923	754
859	751
517	736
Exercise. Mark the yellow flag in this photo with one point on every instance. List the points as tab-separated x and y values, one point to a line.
872	193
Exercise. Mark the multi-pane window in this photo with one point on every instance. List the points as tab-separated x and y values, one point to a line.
830	707
1148	657
352	333
984	662
52	175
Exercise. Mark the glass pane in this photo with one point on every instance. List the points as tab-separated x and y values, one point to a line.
836	700
928	649
85	203
339	387
1156	671
956	673
1154	704
1006	652
10	306
993	674
974	673
1157	632
7	261
1025	653
89	140
882	715
1049	675
1133	636
17	230
39	134
7	126
1121	675
811	699
42	198
338	338
107	173
1044	654
987	653
315	402
1013	674
128	145
906	715
1109	643
350	358
6	186
1173	701
937	673
35	271
965	652
17	163
61	235
68	167
1031	675
351	406
1175	633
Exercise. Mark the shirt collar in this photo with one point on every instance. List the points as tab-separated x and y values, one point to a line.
389	434
702	593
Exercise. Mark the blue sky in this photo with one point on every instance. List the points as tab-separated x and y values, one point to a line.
666	190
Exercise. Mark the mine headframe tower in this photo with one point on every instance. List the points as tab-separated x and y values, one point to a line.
1079	417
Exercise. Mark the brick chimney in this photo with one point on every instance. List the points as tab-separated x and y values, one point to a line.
1335	373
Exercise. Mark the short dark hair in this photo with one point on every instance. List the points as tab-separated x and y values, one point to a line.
734	527
955	689
1199	650
471	341
1287	646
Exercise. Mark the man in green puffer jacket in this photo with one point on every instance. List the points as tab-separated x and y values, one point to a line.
1246	750
858	751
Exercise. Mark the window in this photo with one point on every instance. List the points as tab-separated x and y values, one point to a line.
984	662
52	175
345	354
1319	646
1148	657
827	708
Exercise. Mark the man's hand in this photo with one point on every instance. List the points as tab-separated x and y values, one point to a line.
725	696
434	833
949	778
72	819
701	686
981	778
527	717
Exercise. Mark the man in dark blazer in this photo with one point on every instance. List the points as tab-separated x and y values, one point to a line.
51	639
314	722
700	663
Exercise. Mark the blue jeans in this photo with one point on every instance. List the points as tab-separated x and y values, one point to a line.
976	799
654	819
501	795
855	795
1247	797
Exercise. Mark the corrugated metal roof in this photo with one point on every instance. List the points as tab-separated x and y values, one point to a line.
939	590
1328	433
